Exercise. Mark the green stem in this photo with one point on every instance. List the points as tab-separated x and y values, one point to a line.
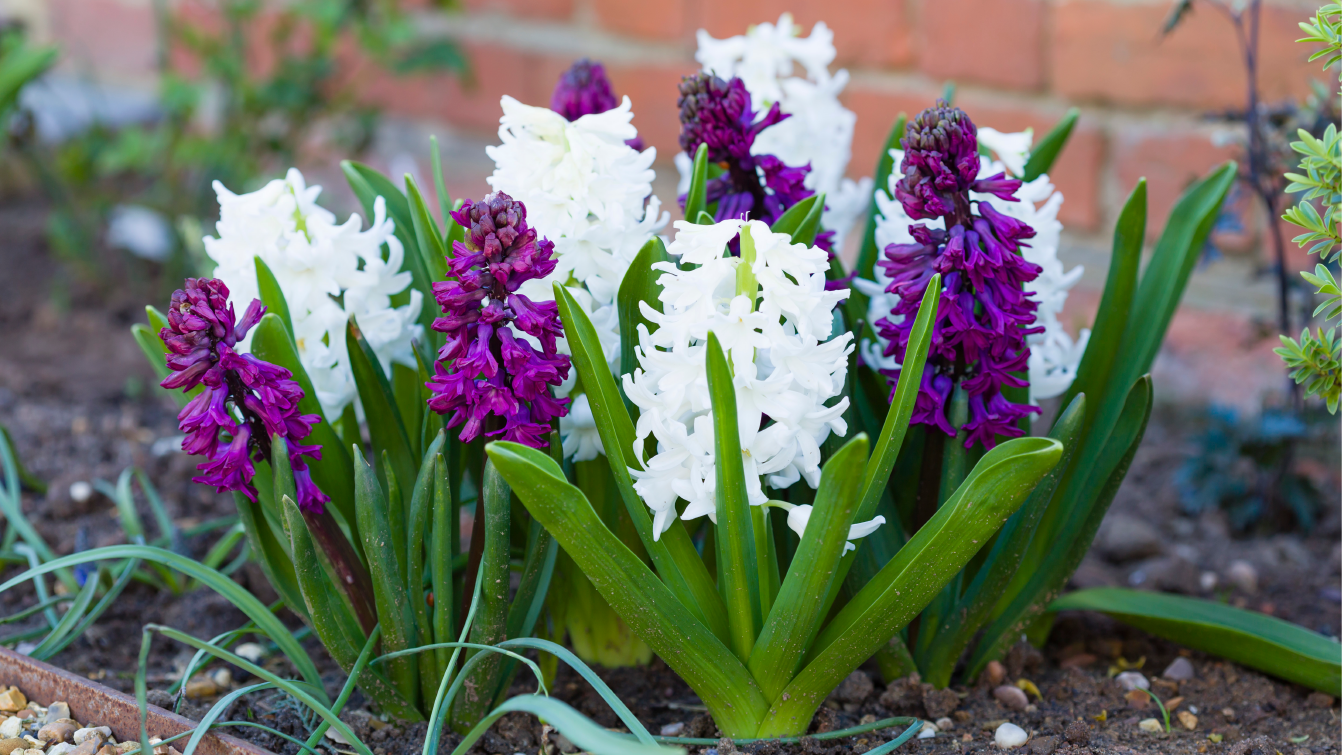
492	623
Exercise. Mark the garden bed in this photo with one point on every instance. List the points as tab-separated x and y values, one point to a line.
76	396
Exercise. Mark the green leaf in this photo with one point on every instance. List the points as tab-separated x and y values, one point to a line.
439	187
974	607
393	610
1261	642
674	556
1041	581
236	594
417	534
652	611
575	727
273	555
793	218
491	625
639	287
428	237
272	296
440	562
20	66
996	487
810	225
738	577
796	613
695	198
385	426
1045	153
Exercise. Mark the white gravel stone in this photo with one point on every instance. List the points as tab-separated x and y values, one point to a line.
1131	680
92	732
11	728
928	731
80	491
250	651
1151	725
1010	736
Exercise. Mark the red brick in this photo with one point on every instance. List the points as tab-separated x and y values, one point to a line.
114	38
877	110
873	32
1170	159
663	19
474	105
549	10
1110	52
985	41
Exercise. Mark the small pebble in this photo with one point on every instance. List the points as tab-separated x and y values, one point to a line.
928	731
102	733
250	651
124	747
1208	580
1319	700
222	678
1243	575
61	749
1131	680
1009	736
1151	725
1043	746
89	747
57	731
107	750
854	689
199	687
8	746
1181	670
673	730
12	727
1011	697
80	491
996	673
12	700
1187	720
57	711
945	724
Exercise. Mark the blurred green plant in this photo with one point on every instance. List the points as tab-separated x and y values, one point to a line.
245	86
1315	360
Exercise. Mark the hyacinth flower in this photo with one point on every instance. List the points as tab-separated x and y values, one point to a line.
978	344
718	115
584	89
490	374
201	336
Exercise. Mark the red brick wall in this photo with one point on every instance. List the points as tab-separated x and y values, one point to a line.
1017	63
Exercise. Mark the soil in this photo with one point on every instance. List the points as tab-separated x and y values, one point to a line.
77	397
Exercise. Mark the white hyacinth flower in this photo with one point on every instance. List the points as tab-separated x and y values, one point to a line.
328	272
798	516
785	365
820	130
590	193
1054	355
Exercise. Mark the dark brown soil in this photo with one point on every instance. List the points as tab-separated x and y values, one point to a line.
77	397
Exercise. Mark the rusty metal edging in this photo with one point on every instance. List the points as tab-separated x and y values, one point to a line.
96	705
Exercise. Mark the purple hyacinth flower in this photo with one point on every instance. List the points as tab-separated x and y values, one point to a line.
201	336
490	379
718	114
584	90
984	315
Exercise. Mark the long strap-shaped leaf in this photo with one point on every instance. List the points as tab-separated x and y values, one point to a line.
385	426
1043	154
796	613
997	486
652	611
696	197
973	609
1043	583
738	576
393	610
1256	640
491	624
674	556
236	594
639	287
421	503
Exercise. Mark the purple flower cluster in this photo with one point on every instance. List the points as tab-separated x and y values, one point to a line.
759	187
490	379
583	90
201	336
978	338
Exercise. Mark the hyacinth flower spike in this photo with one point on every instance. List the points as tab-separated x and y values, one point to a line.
497	369
246	408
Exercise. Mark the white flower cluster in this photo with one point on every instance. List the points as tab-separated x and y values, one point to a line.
590	193
327	272
1054	356
786	367
820	131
